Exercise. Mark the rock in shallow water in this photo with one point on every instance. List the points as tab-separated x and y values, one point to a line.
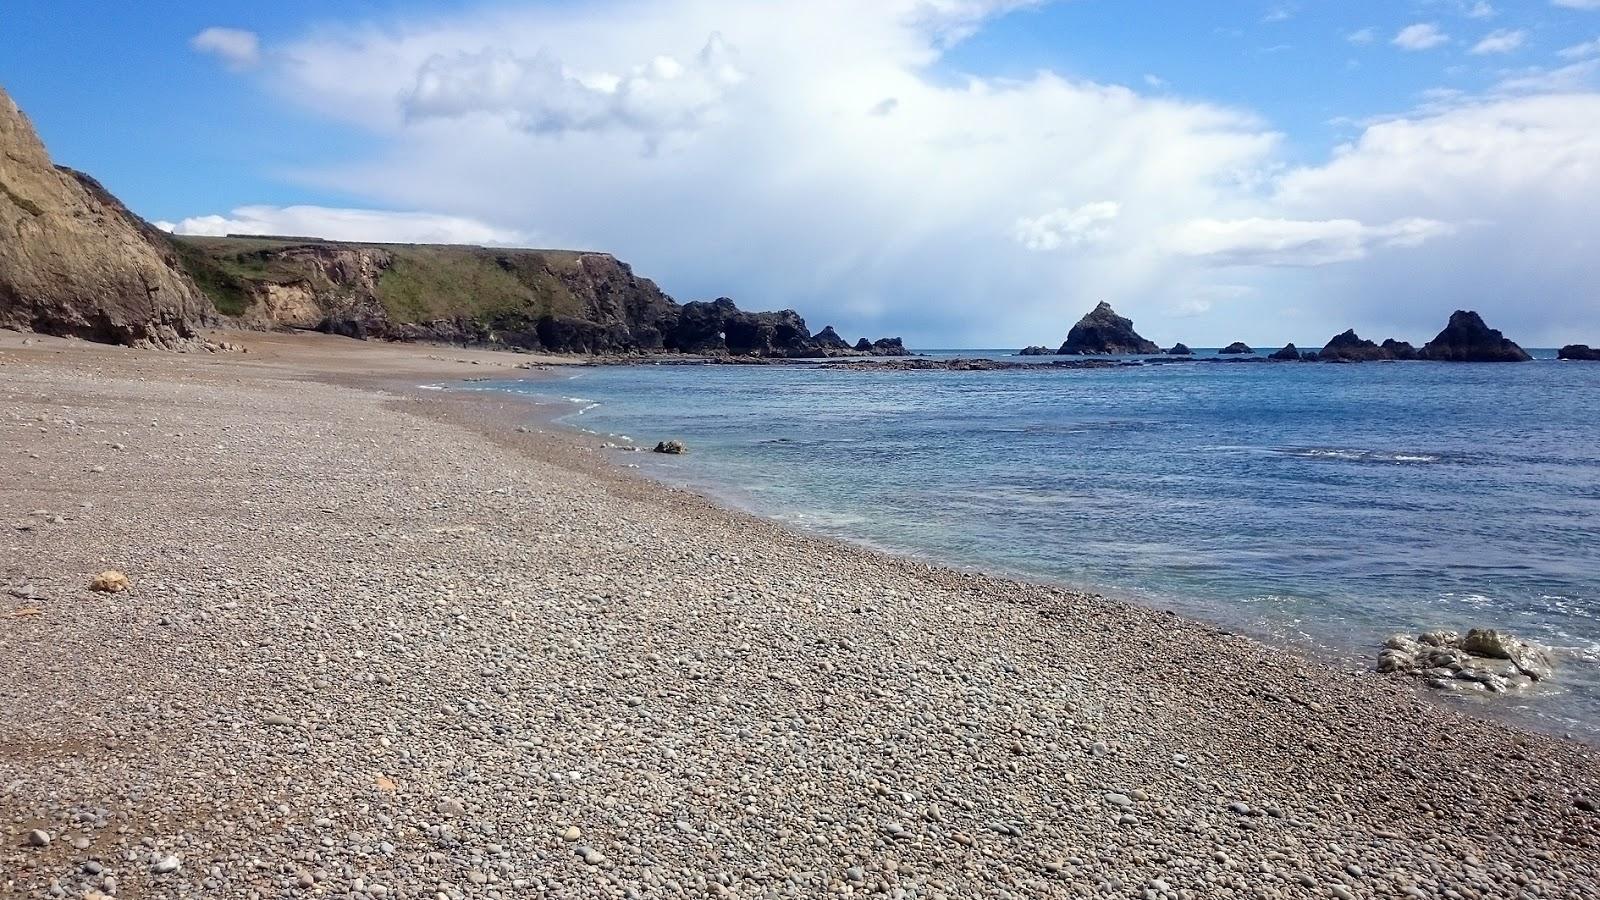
674	447
1485	659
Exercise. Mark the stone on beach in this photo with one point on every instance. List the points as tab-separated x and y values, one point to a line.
110	581
674	447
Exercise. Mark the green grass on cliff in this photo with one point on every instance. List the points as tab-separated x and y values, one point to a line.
424	282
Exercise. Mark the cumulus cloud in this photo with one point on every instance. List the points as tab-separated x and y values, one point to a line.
348	225
971	209
1290	242
1067	227
1481	10
1421	36
1504	40
238	49
542	94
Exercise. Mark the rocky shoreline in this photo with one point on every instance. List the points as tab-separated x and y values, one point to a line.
379	643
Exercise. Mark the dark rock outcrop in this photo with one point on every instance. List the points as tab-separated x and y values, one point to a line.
1467	339
1579	352
829	340
1104	333
1035	351
75	262
1350	347
889	347
1180	349
1235	348
1393	349
1289	353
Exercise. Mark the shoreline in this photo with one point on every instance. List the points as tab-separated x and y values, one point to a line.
389	611
1358	661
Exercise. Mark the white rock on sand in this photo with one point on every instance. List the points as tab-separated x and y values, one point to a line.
512	670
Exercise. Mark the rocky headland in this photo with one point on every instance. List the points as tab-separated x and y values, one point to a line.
1579	352
75	262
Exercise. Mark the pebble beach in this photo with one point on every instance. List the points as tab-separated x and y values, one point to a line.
378	641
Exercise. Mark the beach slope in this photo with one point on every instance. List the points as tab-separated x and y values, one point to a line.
379	643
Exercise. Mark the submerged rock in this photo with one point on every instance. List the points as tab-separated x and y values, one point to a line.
1485	659
1237	347
1289	353
1104	333
1579	352
1467	339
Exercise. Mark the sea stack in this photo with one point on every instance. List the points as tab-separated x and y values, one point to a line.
1579	352
1289	353
1180	349
1236	348
75	262
1348	346
1104	333
1393	349
1467	339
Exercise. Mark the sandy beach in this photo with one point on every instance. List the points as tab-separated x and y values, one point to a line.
379	642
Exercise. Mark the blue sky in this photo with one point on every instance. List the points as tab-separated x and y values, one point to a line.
960	171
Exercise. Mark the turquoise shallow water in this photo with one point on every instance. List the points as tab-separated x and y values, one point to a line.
1320	506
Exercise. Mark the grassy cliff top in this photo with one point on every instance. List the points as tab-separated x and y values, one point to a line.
415	283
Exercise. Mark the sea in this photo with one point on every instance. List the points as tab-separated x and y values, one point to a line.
1317	507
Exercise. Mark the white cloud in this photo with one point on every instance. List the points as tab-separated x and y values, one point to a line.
348	225
238	49
1067	227
1577	4
1481	10
1281	13
1581	51
1421	36
803	186
1574	78
1504	40
1290	242
1362	36
540	93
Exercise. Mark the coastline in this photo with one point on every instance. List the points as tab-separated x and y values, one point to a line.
823	717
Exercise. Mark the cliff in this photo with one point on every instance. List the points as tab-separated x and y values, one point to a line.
75	262
549	300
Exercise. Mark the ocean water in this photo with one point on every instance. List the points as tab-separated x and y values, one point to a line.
1319	507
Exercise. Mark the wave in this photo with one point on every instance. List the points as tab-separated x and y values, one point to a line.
1355	455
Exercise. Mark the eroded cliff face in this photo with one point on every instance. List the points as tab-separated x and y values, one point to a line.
75	262
548	300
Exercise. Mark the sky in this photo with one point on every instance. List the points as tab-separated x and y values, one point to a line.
963	173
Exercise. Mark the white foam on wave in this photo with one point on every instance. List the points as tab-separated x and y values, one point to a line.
431	387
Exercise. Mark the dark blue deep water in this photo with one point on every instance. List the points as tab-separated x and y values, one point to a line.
1318	506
